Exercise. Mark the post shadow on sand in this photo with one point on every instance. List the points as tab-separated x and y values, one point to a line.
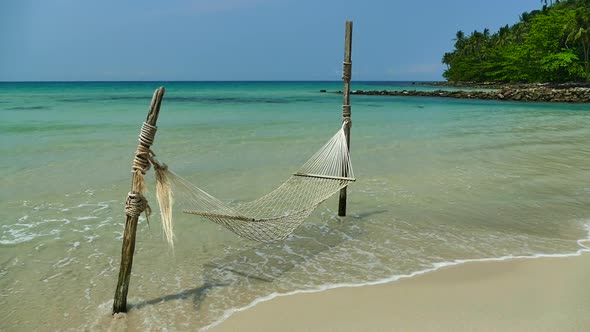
266	262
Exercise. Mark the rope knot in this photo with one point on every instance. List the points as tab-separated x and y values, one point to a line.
158	166
346	121
136	204
346	116
141	162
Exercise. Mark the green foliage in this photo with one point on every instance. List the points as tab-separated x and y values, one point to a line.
548	45
563	64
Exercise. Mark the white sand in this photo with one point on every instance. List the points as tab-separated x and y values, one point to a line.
543	294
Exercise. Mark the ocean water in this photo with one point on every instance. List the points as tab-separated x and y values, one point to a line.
439	182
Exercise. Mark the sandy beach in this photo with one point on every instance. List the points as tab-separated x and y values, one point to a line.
542	294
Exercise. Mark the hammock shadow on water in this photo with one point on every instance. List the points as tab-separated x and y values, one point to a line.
267	262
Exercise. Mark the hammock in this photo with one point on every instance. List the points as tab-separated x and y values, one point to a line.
267	219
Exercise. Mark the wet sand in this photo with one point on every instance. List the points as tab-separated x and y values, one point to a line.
542	294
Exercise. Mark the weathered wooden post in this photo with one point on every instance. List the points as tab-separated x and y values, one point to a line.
346	75
136	202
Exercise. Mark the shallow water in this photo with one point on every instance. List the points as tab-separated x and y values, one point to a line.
439	180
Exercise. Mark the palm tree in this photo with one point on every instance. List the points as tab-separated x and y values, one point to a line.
447	59
459	38
477	43
519	32
501	38
459	42
547	4
579	31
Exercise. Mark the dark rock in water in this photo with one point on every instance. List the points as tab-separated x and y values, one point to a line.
539	93
322	90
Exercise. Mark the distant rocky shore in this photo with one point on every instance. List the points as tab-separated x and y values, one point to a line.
559	93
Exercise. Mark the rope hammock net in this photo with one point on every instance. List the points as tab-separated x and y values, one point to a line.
269	218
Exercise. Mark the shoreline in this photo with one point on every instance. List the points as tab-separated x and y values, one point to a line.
331	307
545	294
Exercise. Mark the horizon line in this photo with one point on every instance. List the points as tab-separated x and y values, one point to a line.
207	81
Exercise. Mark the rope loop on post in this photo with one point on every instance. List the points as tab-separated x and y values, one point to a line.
147	134
346	70
346	116
136	204
141	162
346	121
346	111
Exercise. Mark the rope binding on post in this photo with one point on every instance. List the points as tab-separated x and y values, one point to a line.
141	163
136	202
347	122
346	115
346	70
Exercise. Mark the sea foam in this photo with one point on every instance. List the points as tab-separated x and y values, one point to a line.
435	266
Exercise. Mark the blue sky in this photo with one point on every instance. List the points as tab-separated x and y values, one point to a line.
76	40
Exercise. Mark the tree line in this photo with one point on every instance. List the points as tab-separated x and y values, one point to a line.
551	44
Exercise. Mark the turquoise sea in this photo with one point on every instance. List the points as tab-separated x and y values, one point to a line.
438	181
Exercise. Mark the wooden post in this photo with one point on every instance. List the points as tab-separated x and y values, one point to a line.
346	75
120	301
